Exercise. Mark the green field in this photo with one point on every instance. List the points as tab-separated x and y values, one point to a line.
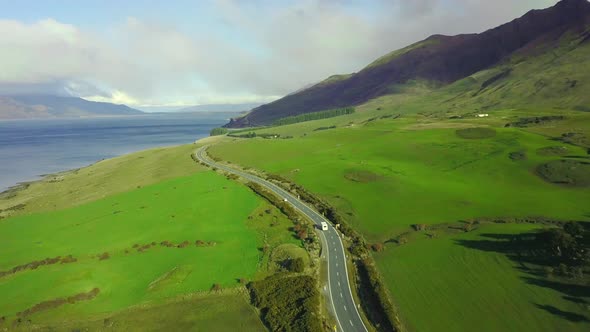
104	178
223	312
131	244
384	175
464	282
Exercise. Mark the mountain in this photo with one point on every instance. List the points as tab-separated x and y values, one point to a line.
45	106
439	61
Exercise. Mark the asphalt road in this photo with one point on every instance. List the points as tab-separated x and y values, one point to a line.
344	307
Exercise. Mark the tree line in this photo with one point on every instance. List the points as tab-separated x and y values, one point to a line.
314	116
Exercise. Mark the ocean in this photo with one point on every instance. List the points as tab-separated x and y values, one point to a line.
32	148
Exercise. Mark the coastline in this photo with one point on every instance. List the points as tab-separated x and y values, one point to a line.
32	149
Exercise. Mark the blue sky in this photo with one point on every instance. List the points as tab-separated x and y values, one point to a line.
219	51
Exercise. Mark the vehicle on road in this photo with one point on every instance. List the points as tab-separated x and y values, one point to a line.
324	226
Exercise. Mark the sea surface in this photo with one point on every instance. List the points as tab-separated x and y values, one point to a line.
31	148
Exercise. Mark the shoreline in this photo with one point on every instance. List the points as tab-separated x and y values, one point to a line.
22	185
11	193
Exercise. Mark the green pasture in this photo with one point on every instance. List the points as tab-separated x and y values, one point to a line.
102	179
204	206
464	282
386	175
220	312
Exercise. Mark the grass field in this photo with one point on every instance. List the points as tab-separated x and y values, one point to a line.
458	283
101	179
127	244
223	312
385	174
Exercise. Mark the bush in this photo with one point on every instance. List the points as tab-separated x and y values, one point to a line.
218	131
374	297
377	247
287	303
419	227
296	265
216	288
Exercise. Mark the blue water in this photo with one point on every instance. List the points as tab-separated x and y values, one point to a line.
30	148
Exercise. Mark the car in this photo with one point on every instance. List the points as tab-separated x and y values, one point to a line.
324	226
284	199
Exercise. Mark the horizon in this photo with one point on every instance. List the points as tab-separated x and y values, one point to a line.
215	52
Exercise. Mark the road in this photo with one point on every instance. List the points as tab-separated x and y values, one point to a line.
343	305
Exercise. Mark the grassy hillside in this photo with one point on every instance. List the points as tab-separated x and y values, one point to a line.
388	174
221	312
102	179
385	173
544	77
95	242
552	34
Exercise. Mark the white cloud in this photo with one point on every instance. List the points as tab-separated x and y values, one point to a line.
148	63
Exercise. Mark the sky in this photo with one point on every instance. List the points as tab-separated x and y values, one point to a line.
178	53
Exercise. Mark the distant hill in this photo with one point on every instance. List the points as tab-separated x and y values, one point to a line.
43	106
439	61
234	108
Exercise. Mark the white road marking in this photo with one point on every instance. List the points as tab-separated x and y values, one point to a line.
340	294
351	324
338	283
345	308
337	273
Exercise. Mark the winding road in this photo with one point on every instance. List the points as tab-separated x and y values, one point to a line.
338	287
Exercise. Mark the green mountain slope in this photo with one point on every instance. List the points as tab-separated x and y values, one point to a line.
556	37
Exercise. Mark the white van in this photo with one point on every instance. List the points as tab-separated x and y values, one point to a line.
324	226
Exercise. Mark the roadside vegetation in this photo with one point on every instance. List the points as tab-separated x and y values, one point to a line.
165	237
288	302
389	176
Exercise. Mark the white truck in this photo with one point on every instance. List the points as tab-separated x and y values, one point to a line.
324	226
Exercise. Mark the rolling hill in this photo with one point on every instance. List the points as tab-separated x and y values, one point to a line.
439	61
45	106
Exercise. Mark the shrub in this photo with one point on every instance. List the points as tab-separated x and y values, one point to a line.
184	244
296	265
375	299
377	247
302	234
218	131
216	288
419	227
287	303
103	256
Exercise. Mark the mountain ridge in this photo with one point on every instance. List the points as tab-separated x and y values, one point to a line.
48	106
439	59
